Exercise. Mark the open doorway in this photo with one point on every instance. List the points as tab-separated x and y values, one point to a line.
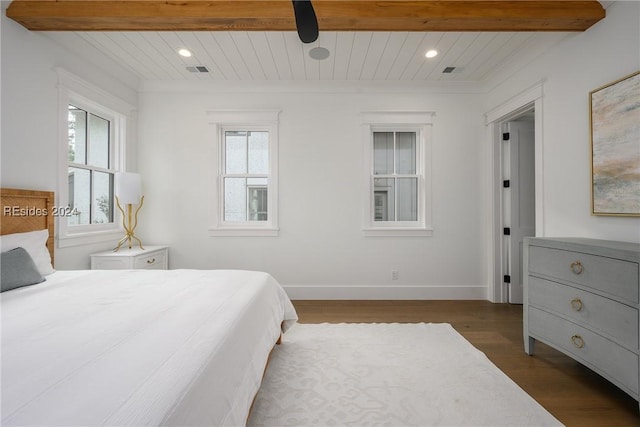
517	160
523	108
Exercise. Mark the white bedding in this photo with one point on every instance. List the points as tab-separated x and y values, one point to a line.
146	347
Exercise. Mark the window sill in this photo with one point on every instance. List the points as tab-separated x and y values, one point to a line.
244	232
80	239
397	232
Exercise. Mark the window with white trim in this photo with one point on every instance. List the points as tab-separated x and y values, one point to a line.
92	146
397	167
246	176
90	168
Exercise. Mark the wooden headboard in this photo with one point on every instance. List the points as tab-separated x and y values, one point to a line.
27	210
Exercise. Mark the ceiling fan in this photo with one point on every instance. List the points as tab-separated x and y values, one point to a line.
306	20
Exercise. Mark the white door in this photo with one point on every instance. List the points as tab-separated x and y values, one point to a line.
519	200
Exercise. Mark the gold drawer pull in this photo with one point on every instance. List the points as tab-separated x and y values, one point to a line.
576	304
577	341
576	267
151	261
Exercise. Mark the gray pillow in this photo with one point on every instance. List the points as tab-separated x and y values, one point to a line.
17	269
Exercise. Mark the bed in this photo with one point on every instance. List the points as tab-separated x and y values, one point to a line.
143	347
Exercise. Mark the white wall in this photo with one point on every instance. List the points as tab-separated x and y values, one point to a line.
29	136
320	246
586	61
320	251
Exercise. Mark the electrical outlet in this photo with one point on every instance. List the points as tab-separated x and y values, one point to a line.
394	274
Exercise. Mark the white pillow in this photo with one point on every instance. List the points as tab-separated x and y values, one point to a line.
34	242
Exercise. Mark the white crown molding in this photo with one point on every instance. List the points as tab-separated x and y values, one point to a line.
295	86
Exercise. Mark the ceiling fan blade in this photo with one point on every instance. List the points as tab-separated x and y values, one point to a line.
306	21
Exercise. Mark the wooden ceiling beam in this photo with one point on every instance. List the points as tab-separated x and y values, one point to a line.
333	15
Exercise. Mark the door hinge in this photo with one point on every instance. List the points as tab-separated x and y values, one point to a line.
507	231
506	183
507	278
505	136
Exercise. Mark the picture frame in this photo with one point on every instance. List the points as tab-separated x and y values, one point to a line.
615	147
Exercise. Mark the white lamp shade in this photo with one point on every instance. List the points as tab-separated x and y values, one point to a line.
128	188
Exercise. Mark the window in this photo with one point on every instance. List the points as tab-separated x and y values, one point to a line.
90	170
91	152
397	148
246	175
395	178
246	178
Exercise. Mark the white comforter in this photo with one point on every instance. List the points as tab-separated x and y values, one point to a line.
148	347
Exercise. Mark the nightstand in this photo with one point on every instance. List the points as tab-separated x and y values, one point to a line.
151	258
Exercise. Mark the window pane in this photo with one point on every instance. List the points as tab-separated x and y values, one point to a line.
382	153
383	199
407	199
77	122
257	199
406	152
102	198
259	152
235	151
98	141
79	195
235	199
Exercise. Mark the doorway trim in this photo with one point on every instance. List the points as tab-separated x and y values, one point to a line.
528	99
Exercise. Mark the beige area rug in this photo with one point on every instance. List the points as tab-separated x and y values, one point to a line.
388	375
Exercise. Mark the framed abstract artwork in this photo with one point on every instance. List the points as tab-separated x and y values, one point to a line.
615	147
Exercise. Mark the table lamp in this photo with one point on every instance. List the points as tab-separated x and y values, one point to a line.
128	192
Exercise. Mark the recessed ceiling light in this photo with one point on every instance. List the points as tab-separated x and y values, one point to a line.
319	53
185	52
431	53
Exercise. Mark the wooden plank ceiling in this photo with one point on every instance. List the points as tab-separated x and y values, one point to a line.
333	15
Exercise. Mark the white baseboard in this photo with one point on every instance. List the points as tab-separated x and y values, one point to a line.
333	292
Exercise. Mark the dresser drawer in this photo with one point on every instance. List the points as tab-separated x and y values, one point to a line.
616	320
612	276
615	362
152	261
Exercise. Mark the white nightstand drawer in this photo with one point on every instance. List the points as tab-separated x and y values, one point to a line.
154	260
151	257
109	264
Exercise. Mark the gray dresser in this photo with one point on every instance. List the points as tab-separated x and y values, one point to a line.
581	297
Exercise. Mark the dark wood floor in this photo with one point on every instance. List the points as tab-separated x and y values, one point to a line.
572	393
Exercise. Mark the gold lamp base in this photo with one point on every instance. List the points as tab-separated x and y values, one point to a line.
129	222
